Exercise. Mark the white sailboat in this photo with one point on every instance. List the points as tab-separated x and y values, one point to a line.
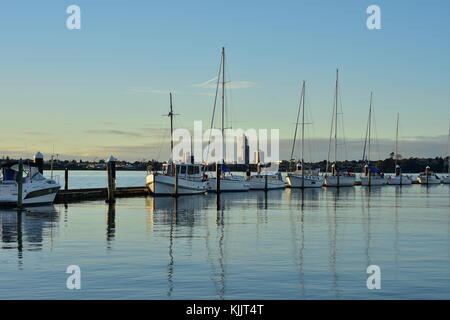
399	178
446	179
371	176
266	180
177	179
228	181
300	178
428	177
336	178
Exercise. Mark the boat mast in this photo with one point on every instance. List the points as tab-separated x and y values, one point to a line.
396	144
448	169
336	119
223	103
370	124
171	125
303	130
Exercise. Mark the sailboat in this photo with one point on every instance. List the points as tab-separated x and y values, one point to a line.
446	179
336	178
371	176
177	178
428	177
228	181
399	178
300	178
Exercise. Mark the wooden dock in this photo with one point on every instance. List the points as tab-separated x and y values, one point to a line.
65	196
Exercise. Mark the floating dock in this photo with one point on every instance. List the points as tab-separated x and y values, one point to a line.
73	195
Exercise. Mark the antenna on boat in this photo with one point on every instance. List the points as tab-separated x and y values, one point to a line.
396	143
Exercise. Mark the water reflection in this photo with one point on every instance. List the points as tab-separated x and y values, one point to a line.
289	243
110	224
26	230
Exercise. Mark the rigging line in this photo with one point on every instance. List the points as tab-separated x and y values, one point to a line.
343	126
214	107
376	136
331	135
296	124
365	140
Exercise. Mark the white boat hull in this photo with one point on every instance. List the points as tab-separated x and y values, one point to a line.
431	180
295	181
34	193
374	181
446	179
228	184
164	185
399	180
339	181
259	183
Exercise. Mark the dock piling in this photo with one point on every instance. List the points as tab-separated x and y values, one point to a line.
218	174
66	178
175	186
20	185
111	167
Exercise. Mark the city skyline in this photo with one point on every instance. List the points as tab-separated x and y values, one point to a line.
103	89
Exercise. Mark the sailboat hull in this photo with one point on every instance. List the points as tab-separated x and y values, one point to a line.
339	181
431	180
399	181
164	185
228	184
374	181
295	181
259	183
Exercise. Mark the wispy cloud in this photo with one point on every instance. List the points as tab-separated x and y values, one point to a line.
212	83
115	132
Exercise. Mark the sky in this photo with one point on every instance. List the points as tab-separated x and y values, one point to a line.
103	89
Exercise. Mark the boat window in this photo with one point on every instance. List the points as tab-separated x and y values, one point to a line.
193	170
183	169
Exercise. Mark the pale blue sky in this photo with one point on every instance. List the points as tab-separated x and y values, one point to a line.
103	89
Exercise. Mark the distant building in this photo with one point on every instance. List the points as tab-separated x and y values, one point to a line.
243	150
259	156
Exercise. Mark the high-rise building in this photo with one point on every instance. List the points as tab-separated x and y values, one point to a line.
243	150
259	156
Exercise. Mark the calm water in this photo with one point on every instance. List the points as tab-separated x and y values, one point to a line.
283	246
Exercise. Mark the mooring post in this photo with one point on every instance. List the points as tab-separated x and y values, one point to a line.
111	167
265	182
175	186
66	178
19	180
218	174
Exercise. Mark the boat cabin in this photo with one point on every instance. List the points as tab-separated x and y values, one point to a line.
10	173
184	170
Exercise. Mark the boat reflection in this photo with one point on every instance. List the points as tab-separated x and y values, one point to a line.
25	230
